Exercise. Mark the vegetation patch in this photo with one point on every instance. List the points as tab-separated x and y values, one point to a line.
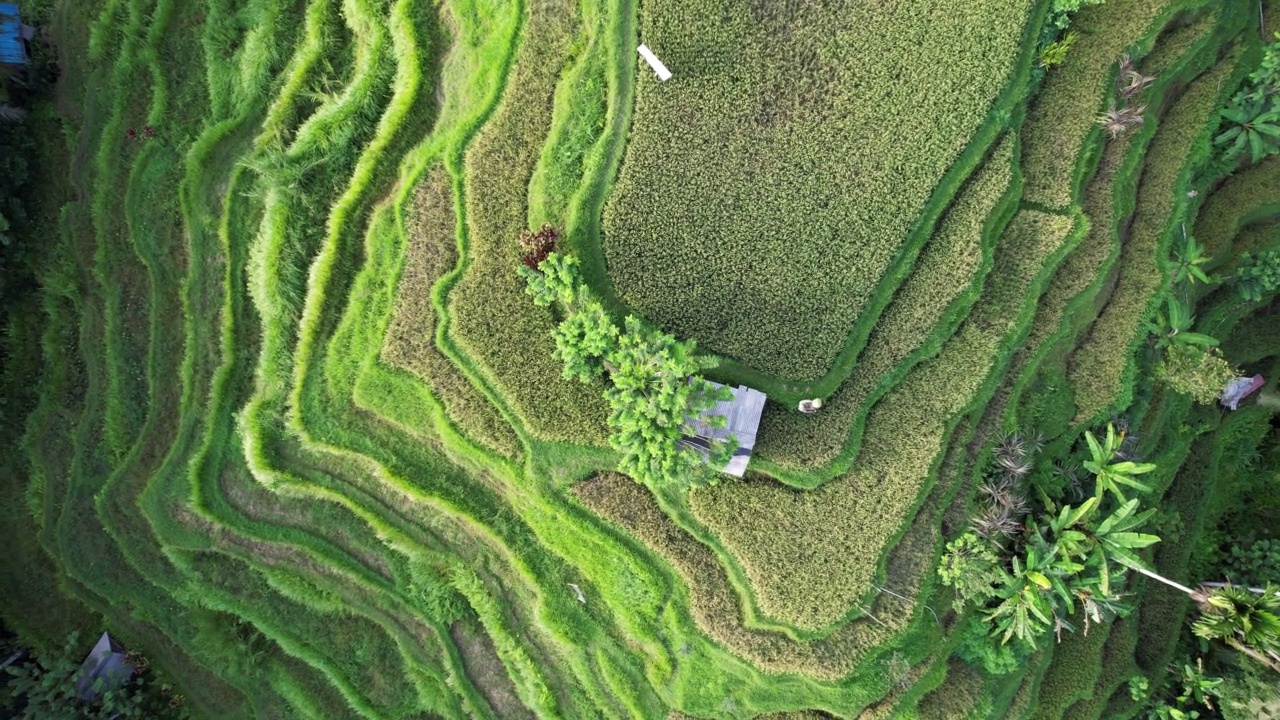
766	179
494	322
946	280
1100	365
282	416
1061	121
816	579
1248	194
411	336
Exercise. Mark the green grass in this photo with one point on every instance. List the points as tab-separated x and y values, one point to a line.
1117	667
1076	663
1254	238
1254	339
410	340
1242	198
961	695
494	322
205	691
711	595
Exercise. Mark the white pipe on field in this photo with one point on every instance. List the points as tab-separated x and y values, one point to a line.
663	73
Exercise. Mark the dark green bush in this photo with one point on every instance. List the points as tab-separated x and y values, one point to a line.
977	647
1253	563
1258	275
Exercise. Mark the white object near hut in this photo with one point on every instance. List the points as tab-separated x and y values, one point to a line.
663	73
1239	389
742	419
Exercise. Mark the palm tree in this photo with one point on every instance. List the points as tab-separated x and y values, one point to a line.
1248	622
1111	475
1247	619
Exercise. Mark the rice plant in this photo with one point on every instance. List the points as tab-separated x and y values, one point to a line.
281	418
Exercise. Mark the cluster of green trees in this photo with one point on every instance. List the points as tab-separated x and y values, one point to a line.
1032	579
654	381
1028	582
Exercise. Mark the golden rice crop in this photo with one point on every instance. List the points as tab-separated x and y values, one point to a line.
951	265
812	555
772	184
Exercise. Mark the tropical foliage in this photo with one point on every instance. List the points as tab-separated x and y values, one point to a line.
1252	120
1259	275
1062	557
1189	261
48	688
1112	472
278	407
1056	52
1172	326
1247	620
655	391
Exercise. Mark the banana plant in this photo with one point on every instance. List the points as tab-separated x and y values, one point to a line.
1026	608
1067	529
1111	476
1254	126
1094	549
1172	325
1188	261
1114	540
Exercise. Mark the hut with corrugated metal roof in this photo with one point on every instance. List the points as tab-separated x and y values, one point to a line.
13	37
106	668
742	419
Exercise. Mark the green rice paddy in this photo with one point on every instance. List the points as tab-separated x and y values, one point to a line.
282	418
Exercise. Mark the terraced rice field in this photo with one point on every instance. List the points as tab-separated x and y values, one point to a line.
286	421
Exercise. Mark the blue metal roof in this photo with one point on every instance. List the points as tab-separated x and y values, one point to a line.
12	50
